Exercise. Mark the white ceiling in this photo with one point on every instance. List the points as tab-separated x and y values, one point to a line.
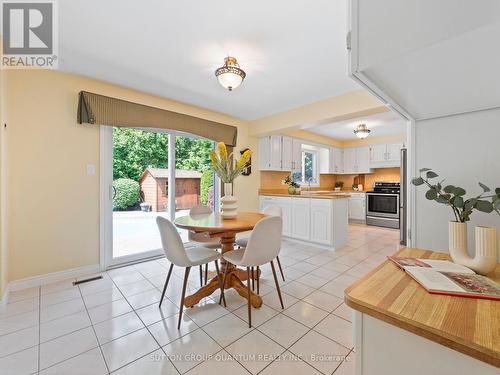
383	124
293	51
433	58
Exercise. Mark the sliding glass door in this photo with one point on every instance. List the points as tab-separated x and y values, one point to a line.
146	174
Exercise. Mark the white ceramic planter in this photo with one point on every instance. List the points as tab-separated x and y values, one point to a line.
485	258
229	203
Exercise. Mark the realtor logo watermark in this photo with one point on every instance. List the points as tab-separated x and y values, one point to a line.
29	31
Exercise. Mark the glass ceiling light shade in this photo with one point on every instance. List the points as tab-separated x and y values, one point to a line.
230	75
362	131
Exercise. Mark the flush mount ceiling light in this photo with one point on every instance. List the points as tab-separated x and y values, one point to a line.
362	131
230	75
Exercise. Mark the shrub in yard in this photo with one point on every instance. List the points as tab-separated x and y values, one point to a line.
126	193
207	180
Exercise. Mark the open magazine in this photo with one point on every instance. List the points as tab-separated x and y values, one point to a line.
445	277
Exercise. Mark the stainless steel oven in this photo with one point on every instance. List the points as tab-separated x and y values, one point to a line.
382	205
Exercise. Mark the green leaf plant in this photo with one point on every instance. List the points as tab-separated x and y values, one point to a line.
454	196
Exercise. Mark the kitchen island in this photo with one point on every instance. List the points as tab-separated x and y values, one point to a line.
314	218
400	328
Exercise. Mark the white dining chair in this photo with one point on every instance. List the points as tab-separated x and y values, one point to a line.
202	238
242	240
178	255
263	247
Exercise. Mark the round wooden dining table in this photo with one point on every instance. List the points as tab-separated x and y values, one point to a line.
226	230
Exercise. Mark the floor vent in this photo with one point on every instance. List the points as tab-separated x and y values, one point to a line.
86	280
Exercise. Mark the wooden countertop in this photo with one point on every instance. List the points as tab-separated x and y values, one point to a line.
468	325
333	195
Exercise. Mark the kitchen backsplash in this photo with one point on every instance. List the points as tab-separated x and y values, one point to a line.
272	180
380	174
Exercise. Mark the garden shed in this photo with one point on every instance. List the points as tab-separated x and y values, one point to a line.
154	188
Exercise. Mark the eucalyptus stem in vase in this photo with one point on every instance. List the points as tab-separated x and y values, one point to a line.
488	201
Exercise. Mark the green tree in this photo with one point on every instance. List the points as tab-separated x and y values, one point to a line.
135	150
207	181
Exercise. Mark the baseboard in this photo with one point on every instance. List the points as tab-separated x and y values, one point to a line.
4	300
52	277
307	243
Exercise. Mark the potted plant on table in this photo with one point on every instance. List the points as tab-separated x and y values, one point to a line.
485	259
292	185
339	185
223	165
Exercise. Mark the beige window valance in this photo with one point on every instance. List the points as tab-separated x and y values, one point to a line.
104	110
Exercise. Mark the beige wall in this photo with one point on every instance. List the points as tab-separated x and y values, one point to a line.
54	205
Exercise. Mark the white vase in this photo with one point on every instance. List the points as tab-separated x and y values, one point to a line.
229	203
485	258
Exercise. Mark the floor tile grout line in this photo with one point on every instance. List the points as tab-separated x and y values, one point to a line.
95	333
145	326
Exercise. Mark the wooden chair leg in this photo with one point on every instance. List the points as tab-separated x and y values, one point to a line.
166	283
221	284
277	285
258	280
253	279
249	304
279	266
206	274
201	275
224	284
181	308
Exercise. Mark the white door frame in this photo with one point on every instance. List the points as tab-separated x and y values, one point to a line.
367	83
106	197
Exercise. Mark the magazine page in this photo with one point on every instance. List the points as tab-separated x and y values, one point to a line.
432	280
435	264
475	284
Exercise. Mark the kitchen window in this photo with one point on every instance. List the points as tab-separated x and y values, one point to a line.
309	175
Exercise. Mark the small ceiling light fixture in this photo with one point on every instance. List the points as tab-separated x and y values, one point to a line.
362	131
230	75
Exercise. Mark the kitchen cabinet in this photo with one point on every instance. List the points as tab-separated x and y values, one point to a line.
357	207
349	160
286	153
270	153
337	160
357	160
300	218
385	155
321	221
279	153
314	220
296	155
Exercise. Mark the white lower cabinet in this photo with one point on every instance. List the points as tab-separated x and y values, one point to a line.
319	221
357	207
300	218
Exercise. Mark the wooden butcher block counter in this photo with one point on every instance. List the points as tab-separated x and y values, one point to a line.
468	325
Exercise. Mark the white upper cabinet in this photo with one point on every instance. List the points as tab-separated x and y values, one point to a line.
357	160
349	160
296	155
394	152
271	151
378	153
385	155
286	154
363	160
337	160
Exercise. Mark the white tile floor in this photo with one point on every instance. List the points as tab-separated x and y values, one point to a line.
114	325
